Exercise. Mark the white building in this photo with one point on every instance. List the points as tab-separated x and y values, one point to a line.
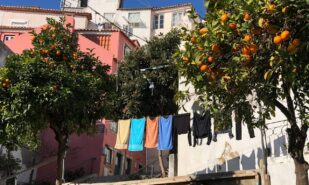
228	154
138	23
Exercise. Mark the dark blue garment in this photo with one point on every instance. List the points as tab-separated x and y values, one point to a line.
165	133
137	130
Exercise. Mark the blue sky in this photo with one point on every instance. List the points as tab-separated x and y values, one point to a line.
54	4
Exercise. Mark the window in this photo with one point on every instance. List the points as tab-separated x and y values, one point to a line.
128	166
127	29
8	37
110	18
113	126
134	19
108	154
176	19
158	21
126	50
84	3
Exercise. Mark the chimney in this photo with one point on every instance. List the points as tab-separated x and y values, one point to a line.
120	5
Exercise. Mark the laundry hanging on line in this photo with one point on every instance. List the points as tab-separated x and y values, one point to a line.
123	134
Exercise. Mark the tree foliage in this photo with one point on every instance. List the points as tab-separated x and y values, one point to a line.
251	55
151	64
54	85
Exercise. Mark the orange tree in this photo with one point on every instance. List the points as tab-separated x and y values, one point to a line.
253	50
54	85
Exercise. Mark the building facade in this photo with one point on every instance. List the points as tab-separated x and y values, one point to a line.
139	23
228	154
88	154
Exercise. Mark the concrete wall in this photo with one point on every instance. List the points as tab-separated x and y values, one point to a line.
228	154
35	19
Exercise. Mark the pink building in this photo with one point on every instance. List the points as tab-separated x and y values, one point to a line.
87	154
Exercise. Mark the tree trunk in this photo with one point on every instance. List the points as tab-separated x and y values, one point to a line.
60	163
161	163
301	171
62	139
297	140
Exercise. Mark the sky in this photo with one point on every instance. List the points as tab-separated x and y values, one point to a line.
54	4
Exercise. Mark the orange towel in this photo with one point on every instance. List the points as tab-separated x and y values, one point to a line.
123	134
151	140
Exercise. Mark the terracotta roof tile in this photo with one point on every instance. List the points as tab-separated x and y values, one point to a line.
42	10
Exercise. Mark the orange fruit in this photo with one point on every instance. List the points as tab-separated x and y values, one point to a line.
245	50
204	68
232	25
193	39
200	48
256	31
75	55
253	48
203	30
199	63
285	35
291	48
224	17
185	60
271	8
247	38
53	46
215	48
284	10
272	30
211	59
248	57
58	53
296	42
247	16
277	40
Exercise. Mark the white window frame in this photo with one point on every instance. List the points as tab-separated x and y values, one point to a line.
177	18
158	21
134	23
8	37
126	50
128	30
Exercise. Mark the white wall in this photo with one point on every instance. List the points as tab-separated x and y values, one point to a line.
247	152
142	33
168	15
33	19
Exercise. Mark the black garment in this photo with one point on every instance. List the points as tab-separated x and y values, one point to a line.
181	125
202	127
239	118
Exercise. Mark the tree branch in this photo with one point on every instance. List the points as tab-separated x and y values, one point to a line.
285	111
289	100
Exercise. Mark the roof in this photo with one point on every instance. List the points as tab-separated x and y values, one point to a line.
16	28
42	10
159	8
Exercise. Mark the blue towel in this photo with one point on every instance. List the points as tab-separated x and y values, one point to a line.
137	130
165	133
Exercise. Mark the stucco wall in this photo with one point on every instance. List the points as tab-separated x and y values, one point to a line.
33	19
229	154
168	16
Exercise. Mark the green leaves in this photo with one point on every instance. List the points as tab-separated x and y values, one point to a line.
147	80
53	84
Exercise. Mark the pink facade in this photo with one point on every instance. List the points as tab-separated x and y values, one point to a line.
92	154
